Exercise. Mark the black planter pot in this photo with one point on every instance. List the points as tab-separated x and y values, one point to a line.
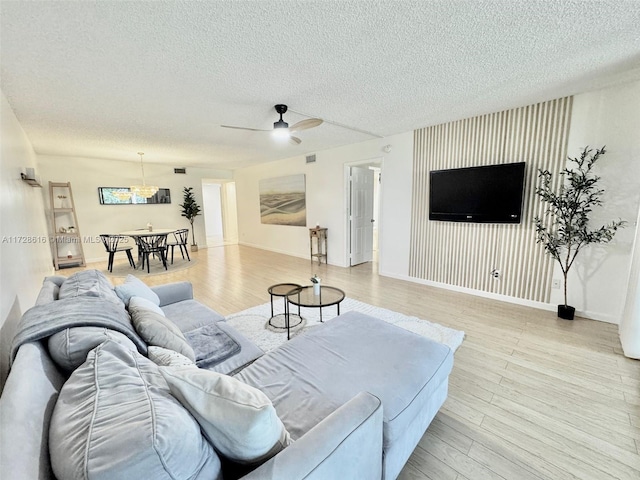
566	312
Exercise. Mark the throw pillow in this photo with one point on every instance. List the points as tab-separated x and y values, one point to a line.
238	419
115	418
141	302
69	347
158	330
134	287
168	358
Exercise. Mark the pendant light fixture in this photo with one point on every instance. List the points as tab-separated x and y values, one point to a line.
144	190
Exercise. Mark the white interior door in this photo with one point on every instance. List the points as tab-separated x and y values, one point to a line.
361	215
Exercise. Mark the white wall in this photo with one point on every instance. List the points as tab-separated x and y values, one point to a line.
325	198
24	249
394	236
598	281
87	174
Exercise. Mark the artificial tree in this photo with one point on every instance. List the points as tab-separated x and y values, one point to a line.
567	231
190	210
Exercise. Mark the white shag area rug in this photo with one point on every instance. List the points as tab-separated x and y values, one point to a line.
253	322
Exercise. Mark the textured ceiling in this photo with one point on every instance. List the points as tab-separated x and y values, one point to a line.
108	79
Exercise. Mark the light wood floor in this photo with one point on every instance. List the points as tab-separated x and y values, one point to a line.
530	396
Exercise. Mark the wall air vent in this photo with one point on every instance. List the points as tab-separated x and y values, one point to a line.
181	171
311	158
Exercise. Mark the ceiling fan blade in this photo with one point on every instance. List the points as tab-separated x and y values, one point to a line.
295	140
304	124
245	128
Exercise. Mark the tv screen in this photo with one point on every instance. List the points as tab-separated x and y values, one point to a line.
487	194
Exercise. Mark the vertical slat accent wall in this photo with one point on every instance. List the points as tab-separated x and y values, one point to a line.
463	254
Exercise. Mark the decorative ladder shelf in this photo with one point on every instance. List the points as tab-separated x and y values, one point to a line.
67	243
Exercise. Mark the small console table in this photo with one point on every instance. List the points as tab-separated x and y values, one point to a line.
320	234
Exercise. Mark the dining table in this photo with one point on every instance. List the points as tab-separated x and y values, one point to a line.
145	232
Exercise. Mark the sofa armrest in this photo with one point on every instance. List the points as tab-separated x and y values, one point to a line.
173	292
347	444
26	405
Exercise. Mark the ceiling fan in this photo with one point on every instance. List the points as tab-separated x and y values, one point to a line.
282	128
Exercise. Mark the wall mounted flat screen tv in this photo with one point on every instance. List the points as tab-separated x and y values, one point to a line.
486	194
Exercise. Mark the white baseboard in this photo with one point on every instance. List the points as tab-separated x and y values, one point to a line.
283	252
599	316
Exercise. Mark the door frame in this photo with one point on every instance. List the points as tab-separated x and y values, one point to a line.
228	212
374	162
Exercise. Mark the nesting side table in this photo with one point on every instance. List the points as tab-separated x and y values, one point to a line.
283	290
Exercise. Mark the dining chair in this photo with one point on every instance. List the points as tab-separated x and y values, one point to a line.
181	239
153	245
111	245
137	240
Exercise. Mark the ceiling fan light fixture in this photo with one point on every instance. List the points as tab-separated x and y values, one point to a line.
280	124
281	132
281	128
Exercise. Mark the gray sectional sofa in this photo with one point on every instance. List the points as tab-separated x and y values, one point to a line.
352	398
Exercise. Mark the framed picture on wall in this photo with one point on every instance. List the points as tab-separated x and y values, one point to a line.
123	196
283	201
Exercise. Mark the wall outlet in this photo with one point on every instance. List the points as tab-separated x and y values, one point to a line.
495	273
555	284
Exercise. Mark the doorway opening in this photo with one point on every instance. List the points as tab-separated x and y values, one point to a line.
220	212
363	181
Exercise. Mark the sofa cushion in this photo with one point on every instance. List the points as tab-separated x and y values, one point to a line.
156	329
93	435
69	348
141	302
191	314
248	353
164	357
239	420
89	283
134	287
328	365
211	345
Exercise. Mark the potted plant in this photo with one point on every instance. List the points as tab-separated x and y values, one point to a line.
566	231
190	210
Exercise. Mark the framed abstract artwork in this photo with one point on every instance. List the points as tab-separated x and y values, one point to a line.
283	201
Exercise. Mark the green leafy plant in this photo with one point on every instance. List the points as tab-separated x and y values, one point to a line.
190	210
567	231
